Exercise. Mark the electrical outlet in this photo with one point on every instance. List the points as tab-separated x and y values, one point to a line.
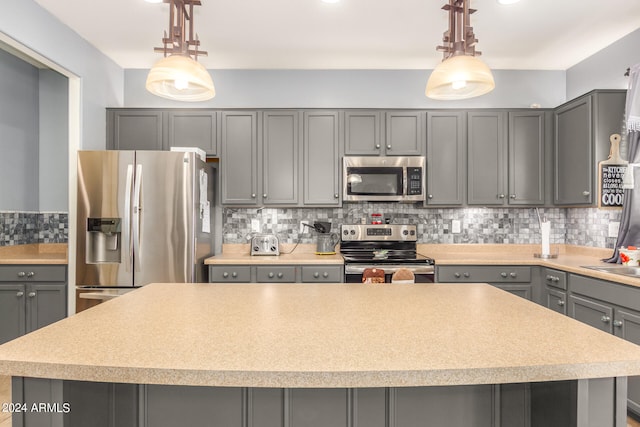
302	226
613	229
255	225
455	226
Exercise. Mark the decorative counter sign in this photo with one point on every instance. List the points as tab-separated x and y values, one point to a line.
610	173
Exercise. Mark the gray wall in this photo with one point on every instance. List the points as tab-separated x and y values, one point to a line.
53	142
351	89
101	79
605	69
18	134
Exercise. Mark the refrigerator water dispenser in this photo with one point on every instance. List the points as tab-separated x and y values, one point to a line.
103	240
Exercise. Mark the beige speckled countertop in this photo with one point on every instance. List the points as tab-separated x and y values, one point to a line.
342	335
302	254
45	253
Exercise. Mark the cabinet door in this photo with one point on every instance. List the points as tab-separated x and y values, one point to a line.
12	312
135	130
517	289
46	304
486	158
321	159
445	158
627	326
362	133
193	129
526	158
556	300
592	313
239	157
573	153
280	157
405	133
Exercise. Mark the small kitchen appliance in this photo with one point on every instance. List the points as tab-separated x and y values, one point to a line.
326	241
265	244
384	179
387	247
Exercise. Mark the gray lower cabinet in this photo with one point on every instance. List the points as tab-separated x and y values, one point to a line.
517	280
610	307
135	129
321	145
193	128
239	154
31	296
582	130
446	158
276	273
554	289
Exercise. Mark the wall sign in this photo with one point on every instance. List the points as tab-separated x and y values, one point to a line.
611	191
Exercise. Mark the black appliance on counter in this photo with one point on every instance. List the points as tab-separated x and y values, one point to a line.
383	246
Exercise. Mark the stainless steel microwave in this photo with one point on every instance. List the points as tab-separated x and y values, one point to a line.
383	179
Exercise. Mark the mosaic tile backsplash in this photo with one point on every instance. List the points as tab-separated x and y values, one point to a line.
585	227
20	228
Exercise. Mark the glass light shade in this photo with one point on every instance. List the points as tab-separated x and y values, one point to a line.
460	77
180	78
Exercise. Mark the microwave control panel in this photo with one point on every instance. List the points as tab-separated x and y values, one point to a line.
414	181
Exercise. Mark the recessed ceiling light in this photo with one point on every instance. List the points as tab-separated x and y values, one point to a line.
508	1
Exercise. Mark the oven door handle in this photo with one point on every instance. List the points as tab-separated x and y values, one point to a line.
389	269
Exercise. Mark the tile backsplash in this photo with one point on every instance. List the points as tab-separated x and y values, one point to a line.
576	226
19	228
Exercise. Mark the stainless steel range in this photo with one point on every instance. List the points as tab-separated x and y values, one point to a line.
385	246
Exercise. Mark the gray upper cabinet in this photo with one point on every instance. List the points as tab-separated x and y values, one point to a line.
486	158
193	128
280	157
446	155
526	158
582	130
321	158
362	133
133	129
404	133
239	152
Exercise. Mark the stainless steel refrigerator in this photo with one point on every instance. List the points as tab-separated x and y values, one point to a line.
143	217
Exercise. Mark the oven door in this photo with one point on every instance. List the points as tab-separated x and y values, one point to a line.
423	273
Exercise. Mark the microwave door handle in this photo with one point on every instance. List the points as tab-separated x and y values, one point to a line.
137	218
126	229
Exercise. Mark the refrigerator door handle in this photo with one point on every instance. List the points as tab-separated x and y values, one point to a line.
126	229
137	217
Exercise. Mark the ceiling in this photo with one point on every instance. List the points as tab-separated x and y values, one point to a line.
353	34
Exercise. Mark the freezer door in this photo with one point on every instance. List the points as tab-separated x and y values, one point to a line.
105	184
163	225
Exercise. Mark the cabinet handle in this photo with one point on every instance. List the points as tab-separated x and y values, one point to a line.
503	274
456	275
378	146
264	195
585	193
234	274
561	302
335	195
225	274
617	323
316	274
280	275
500	196
20	294
21	274
253	195
466	275
31	294
512	196
325	274
430	196
513	274
605	319
31	274
271	274
389	147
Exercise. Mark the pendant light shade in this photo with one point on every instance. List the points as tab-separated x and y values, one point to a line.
460	77
180	78
461	74
178	75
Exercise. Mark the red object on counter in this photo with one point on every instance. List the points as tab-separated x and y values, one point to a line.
376	218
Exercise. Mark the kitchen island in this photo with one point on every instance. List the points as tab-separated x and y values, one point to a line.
330	355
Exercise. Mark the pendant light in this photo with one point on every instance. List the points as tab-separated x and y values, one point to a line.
178	75
461	74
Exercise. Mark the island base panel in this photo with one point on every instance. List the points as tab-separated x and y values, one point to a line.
579	403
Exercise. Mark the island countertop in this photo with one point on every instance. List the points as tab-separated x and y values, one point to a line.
339	335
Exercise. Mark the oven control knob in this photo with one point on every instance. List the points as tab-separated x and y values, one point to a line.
353	232
273	248
412	232
345	232
405	232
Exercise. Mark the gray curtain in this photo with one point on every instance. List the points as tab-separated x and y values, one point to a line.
629	233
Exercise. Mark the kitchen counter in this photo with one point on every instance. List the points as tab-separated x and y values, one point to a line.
302	254
39	253
570	258
287	335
